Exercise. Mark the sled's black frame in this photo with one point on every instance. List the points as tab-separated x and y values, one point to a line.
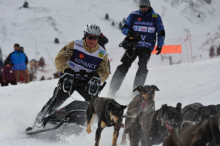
65	119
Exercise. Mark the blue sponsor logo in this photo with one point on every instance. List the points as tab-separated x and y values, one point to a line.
144	44
71	64
143	23
151	29
86	64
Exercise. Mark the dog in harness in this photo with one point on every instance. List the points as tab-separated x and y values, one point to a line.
206	133
143	102
151	128
109	112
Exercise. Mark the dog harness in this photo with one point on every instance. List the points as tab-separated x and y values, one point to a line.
108	121
177	134
213	141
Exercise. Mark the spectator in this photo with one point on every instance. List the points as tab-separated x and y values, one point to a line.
22	50
102	40
26	61
25	5
41	63
7	76
17	60
148	25
1	58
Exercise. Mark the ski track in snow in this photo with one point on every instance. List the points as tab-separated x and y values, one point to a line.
185	83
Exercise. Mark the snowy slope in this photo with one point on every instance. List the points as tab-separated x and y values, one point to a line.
35	28
185	83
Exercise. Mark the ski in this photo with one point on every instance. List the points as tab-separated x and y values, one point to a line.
30	131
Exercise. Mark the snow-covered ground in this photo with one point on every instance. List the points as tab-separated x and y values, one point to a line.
185	83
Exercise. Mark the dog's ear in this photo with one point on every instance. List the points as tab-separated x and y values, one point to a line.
109	105
139	89
155	87
164	107
123	106
178	106
217	108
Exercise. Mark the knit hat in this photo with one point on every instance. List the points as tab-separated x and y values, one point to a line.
144	3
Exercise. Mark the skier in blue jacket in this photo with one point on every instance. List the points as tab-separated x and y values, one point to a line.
148	25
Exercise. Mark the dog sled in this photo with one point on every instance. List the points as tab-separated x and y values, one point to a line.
73	113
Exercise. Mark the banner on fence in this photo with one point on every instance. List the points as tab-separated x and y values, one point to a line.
167	49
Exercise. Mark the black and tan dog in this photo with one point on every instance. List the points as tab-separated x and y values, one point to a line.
206	133
109	112
151	128
143	102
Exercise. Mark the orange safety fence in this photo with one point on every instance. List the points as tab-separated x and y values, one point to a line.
167	49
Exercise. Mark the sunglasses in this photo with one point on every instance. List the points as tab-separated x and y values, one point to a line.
92	37
143	6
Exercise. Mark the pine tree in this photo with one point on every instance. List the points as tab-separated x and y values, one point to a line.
123	20
218	51
113	23
212	52
56	41
106	16
120	26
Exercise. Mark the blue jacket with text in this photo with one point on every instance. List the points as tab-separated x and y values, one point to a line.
149	26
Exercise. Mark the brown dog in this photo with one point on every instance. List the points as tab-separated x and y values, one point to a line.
151	128
143	102
109	112
206	133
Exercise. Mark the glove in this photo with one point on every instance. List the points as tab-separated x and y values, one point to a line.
93	74
130	32
69	70
158	49
130	41
67	80
134	34
94	83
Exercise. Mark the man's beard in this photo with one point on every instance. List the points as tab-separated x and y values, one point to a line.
144	12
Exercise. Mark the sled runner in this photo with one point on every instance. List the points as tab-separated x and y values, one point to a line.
75	112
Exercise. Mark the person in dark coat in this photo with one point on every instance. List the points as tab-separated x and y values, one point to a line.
1	58
7	76
102	40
